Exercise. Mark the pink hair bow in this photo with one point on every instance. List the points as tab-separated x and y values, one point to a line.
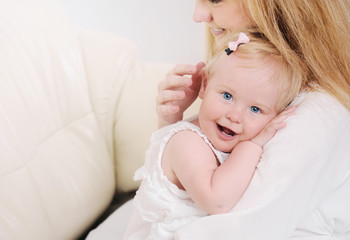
232	46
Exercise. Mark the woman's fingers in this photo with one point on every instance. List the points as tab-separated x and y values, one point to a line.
173	82
179	76
167	109
183	69
166	96
197	77
177	92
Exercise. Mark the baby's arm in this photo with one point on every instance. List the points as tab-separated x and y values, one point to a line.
190	163
235	173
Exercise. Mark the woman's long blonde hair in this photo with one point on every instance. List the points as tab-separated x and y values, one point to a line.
314	37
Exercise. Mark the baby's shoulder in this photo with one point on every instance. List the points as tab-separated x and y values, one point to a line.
186	138
187	143
186	148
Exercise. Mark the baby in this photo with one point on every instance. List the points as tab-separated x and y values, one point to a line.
203	166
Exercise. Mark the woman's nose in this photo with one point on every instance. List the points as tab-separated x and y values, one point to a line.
201	12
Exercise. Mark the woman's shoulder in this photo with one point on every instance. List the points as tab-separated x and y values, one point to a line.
319	101
318	116
321	106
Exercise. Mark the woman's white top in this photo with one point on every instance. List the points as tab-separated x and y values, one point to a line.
301	188
160	207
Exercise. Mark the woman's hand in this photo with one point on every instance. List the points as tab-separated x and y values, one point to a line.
275	124
177	92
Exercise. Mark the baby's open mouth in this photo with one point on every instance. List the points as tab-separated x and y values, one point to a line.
226	131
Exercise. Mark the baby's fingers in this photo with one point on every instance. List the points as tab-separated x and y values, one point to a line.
278	121
289	111
273	126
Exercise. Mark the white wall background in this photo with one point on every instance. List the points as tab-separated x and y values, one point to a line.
163	29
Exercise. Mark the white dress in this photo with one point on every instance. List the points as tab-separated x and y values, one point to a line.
160	207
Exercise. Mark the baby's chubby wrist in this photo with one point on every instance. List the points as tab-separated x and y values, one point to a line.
252	145
256	142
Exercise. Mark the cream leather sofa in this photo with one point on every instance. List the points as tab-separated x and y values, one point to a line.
76	113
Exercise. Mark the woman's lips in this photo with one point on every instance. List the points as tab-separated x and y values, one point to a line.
217	31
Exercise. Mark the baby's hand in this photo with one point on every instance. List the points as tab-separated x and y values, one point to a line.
275	124
177	92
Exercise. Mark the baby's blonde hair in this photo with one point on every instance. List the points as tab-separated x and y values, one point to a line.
312	35
261	52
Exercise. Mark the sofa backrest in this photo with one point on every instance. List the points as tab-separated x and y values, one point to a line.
56	166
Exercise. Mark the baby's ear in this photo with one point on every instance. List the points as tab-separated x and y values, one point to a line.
203	85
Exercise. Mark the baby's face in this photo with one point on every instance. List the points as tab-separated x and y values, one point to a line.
238	101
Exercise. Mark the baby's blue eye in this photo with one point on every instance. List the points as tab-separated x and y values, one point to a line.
255	109
227	96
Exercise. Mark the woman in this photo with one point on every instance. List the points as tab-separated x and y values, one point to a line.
301	187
